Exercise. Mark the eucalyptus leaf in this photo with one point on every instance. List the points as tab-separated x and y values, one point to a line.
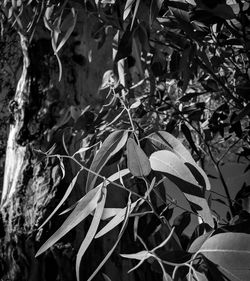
138	162
91	231
66	195
137	256
229	250
164	141
113	143
84	208
173	168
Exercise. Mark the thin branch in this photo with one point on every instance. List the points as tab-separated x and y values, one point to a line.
226	90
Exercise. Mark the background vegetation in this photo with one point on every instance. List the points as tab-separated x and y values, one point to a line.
116	109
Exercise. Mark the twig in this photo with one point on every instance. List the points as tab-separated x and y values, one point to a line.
226	90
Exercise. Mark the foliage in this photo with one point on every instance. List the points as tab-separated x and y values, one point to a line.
181	71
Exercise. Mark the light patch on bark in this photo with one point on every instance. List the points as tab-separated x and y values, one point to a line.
15	153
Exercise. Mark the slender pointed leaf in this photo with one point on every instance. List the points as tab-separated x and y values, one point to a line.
81	211
135	12
138	162
62	166
91	232
155	7
125	222
128	8
142	255
84	149
66	195
189	137
105	276
106	214
119	217
114	142
70	22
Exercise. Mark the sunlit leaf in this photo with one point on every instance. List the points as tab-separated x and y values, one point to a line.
135	104
138	162
167	162
174	169
106	278
117	219
62	167
70	22
84	149
137	256
91	231
113	143
135	12
231	252
128	8
108	212
84	208
65	196
125	222
163	140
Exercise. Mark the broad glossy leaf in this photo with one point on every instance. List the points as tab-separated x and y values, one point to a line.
231	251
163	140
114	142
174	169
167	162
138	162
91	231
84	208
